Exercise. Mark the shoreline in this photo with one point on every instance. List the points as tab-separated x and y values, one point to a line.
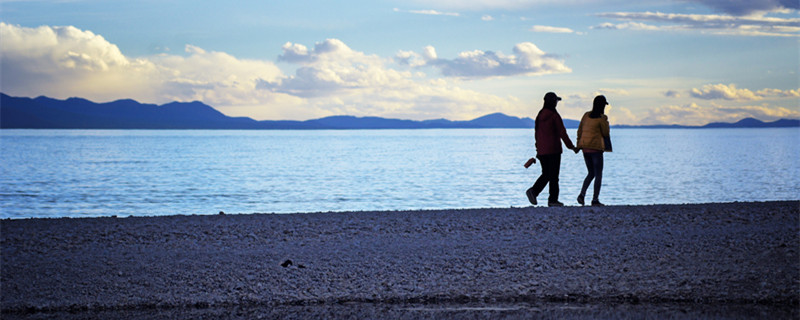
716	253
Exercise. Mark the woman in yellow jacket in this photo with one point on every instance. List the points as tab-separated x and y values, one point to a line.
593	132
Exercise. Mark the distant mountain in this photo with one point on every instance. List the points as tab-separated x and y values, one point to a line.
77	113
755	123
744	123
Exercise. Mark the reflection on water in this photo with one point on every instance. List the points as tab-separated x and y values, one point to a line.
46	173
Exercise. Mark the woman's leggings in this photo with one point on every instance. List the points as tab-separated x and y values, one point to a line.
594	164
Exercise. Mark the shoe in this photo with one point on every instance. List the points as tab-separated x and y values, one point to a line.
531	196
555	204
580	200
596	203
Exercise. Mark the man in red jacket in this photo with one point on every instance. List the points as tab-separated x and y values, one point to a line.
549	133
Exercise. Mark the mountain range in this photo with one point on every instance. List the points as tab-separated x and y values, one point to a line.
77	113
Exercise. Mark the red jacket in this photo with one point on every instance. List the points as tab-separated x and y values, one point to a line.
549	133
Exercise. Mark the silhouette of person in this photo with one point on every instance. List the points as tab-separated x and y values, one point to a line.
594	138
549	132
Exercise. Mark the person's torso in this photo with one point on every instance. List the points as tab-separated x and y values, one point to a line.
547	136
592	132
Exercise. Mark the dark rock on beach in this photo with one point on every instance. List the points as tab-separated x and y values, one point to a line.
435	263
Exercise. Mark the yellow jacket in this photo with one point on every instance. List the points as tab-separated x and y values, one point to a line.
592	131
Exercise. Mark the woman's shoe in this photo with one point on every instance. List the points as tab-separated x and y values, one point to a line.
580	200
596	203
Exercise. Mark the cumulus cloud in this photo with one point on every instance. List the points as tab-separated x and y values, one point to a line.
66	61
335	79
331	67
549	29
63	59
331	78
694	114
718	24
672	94
750	7
722	91
731	92
527	59
487	17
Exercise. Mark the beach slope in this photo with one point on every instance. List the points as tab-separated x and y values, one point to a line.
726	253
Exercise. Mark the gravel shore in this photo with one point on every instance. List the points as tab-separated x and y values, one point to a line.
722	253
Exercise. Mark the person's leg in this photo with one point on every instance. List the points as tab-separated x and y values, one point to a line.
597	163
587	158
555	168
538	186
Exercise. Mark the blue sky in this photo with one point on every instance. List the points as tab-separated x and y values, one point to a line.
657	61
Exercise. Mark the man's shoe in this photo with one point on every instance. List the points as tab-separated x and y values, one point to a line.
580	200
531	196
555	204
596	203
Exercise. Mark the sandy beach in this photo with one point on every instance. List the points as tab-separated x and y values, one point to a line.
725	254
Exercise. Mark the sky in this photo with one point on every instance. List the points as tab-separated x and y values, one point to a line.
684	62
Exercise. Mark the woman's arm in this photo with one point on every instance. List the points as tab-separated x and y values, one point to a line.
604	127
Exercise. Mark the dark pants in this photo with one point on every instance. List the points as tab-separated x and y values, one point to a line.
594	164
551	165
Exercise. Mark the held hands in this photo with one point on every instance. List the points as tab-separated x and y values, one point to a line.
576	149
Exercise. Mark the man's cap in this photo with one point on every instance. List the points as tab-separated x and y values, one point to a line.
551	96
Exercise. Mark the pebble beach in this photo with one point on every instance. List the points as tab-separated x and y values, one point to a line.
421	264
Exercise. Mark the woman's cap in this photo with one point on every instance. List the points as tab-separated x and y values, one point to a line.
551	96
601	99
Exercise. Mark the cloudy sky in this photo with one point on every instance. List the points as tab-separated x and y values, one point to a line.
657	61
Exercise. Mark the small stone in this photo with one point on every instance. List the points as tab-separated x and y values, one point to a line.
286	263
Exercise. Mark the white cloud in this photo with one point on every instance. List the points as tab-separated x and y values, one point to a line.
527	60
331	78
778	93
549	29
64	62
487	17
63	59
722	91
429	12
496	4
717	24
731	92
630	26
750	7
335	79
694	114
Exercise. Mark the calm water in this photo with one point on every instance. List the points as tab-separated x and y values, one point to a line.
53	173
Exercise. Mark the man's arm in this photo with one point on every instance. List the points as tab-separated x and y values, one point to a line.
562	132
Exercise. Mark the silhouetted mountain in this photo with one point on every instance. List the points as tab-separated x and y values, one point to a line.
754	123
77	113
744	123
499	120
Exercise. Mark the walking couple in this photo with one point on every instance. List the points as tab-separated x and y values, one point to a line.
593	139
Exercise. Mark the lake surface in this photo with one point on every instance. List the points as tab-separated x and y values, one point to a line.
80	173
